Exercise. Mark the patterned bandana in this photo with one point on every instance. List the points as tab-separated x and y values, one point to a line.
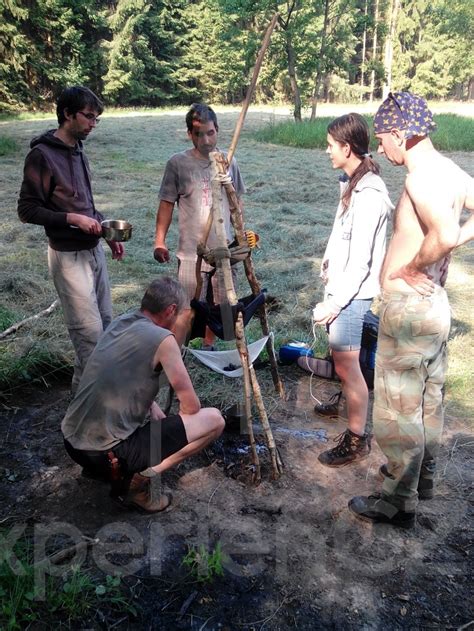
403	110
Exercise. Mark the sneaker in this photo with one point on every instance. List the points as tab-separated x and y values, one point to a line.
350	448
331	408
425	485
376	509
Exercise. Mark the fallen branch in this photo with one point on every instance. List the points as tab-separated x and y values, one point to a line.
57	557
185	606
15	327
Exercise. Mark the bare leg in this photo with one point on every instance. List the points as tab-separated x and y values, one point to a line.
209	338
202	429
182	327
354	388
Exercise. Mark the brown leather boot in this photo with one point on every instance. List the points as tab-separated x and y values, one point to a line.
350	447
139	483
142	500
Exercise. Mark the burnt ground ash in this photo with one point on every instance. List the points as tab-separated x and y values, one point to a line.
295	557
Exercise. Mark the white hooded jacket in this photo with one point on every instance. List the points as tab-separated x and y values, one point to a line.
356	247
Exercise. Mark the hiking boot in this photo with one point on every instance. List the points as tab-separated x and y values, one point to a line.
143	501
350	448
139	483
425	485
331	408
377	509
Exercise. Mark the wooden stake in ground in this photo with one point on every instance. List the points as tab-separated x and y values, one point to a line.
237	222
222	256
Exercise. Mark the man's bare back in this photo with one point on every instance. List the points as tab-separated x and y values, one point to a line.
435	193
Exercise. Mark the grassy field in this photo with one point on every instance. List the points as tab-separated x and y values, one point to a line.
291	199
454	133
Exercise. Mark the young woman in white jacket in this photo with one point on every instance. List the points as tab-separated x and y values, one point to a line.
350	271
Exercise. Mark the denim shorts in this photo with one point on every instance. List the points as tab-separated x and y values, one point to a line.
345	332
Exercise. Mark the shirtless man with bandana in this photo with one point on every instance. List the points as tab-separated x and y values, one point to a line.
415	314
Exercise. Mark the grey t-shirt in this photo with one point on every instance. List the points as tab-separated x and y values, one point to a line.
118	385
187	181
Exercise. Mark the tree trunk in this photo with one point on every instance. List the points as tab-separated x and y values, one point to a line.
388	57
290	53
364	46
374	50
319	73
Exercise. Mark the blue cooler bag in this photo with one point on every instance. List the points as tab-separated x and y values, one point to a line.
290	352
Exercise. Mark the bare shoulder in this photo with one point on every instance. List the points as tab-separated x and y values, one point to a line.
439	181
168	352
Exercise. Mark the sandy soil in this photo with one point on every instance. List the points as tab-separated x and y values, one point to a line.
295	556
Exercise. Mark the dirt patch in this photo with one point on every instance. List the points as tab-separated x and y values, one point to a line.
295	556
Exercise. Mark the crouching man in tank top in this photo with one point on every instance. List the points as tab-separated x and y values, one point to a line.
113	427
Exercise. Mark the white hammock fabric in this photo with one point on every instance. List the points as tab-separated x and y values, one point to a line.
218	360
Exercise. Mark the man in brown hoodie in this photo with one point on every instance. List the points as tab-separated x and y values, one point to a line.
56	193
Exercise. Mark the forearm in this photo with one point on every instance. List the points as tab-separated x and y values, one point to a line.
31	210
163	221
188	402
32	206
435	246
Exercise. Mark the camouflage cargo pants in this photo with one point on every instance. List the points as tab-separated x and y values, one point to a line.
409	375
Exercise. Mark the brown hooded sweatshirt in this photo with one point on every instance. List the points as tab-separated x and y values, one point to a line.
57	181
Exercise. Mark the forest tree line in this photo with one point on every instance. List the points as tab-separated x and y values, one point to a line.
165	52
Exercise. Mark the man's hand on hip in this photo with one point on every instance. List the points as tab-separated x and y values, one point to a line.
420	281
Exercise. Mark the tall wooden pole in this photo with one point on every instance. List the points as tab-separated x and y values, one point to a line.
251	89
250	379
237	223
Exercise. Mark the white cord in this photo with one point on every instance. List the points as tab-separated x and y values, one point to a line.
312	347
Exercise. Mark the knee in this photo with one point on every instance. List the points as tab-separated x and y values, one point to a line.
216	421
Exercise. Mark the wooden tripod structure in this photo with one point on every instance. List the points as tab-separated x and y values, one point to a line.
220	165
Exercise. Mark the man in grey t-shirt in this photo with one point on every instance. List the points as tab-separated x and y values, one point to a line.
106	428
187	182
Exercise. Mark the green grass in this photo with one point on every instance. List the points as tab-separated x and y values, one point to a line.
70	599
292	195
27	365
454	133
8	146
204	566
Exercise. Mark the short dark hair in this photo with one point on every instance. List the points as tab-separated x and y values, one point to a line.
202	113
163	292
74	99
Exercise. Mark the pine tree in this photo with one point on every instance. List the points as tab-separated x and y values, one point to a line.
144	52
